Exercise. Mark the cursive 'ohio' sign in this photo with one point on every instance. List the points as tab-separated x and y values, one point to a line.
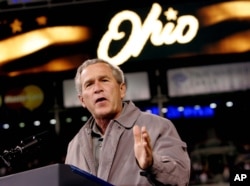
180	30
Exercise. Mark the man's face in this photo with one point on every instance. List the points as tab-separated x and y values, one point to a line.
101	94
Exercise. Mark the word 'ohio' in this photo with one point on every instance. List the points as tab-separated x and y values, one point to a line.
183	31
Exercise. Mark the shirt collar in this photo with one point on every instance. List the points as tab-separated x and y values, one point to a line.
94	129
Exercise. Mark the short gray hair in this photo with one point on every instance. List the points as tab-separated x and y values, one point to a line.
117	72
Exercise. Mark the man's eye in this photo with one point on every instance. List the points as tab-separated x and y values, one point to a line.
88	84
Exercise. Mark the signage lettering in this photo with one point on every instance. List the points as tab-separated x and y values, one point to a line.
183	31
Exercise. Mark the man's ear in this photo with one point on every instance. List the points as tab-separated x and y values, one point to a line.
123	89
81	100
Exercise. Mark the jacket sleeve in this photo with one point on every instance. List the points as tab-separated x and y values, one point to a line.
168	171
171	162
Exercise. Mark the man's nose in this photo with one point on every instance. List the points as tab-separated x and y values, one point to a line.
97	87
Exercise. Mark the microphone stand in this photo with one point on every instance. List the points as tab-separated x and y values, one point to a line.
9	155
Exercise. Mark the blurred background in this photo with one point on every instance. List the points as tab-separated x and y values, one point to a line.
187	61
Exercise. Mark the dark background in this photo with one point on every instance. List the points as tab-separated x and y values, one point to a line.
230	125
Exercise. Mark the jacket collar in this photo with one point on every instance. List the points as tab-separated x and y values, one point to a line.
129	115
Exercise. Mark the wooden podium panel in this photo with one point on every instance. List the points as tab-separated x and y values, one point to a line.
53	175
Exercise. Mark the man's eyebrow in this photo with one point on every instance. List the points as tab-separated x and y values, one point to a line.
99	77
87	81
103	76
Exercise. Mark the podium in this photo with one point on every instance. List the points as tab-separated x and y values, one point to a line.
53	175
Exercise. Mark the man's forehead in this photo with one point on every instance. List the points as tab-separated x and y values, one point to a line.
96	73
97	66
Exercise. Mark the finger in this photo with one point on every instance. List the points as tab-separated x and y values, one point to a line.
137	134
145	135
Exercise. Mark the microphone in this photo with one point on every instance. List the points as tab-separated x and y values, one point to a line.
9	155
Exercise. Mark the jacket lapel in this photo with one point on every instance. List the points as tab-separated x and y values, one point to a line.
110	143
87	150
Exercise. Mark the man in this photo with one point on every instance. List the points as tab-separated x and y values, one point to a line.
119	143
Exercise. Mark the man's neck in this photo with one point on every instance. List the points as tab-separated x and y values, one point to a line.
102	125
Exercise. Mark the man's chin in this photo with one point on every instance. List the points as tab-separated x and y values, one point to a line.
103	115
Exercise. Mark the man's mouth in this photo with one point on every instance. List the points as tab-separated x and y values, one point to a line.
100	100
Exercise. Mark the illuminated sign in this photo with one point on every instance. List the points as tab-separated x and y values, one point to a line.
180	30
208	79
176	112
30	97
190	112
